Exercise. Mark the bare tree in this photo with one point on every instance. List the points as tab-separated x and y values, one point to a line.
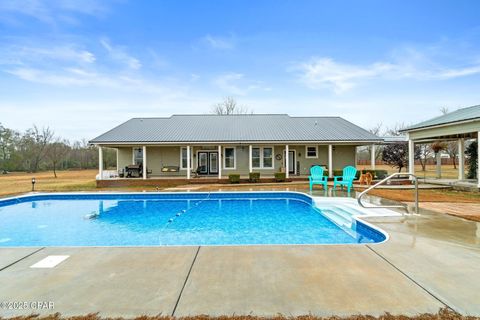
444	110
35	142
229	106
376	130
395	130
56	151
424	153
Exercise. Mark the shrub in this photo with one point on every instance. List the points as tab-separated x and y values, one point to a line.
280	176
234	178
381	174
254	176
337	173
472	154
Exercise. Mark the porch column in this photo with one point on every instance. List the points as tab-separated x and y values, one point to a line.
117	160
330	161
188	162
220	162
478	159
411	156
461	159
287	162
144	166
372	157
250	158
100	163
438	166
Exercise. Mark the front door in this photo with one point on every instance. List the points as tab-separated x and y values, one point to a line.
208	162
213	162
291	161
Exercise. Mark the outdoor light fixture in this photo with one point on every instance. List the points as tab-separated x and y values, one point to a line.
33	184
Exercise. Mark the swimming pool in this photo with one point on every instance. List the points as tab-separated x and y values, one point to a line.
167	219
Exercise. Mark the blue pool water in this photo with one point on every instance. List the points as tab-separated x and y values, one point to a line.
172	219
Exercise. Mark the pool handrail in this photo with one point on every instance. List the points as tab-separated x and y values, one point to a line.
403	206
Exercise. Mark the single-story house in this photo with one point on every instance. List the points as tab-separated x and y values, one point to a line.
214	146
458	125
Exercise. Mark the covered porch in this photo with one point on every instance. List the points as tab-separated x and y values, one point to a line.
208	163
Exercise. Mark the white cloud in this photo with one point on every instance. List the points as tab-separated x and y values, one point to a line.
326	73
64	53
51	12
120	55
69	77
217	42
235	83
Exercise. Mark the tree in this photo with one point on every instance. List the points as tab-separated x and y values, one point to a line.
396	155
35	142
395	130
376	130
229	106
472	153
8	139
425	152
56	151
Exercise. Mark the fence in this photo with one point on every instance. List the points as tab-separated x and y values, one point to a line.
445	161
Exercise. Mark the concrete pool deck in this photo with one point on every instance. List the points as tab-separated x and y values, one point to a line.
431	261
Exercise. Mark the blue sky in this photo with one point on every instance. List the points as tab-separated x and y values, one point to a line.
82	67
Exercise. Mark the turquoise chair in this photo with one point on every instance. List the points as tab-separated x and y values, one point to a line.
317	177
346	179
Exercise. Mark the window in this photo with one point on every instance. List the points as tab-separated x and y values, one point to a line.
183	158
256	158
268	157
311	152
262	158
229	158
137	156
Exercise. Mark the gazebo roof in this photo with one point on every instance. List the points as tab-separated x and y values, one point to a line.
460	115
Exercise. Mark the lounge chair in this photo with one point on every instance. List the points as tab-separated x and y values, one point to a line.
317	177
346	179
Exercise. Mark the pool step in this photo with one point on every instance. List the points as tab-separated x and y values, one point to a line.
339	216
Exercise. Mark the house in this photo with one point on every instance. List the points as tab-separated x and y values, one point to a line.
214	146
458	125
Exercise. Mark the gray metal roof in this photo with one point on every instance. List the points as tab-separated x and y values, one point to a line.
235	128
394	139
463	114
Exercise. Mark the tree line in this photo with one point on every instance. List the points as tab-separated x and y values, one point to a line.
38	149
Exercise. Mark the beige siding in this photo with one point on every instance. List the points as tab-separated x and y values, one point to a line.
124	157
343	156
159	157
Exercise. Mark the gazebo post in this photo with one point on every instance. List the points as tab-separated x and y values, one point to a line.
478	159
411	156
461	159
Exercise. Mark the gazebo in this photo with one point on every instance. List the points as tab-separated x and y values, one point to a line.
458	125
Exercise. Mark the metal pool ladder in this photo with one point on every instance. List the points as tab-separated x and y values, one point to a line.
405	207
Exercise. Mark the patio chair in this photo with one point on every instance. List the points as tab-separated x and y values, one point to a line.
317	177
346	179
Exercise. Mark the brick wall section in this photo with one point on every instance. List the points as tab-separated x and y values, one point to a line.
169	182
